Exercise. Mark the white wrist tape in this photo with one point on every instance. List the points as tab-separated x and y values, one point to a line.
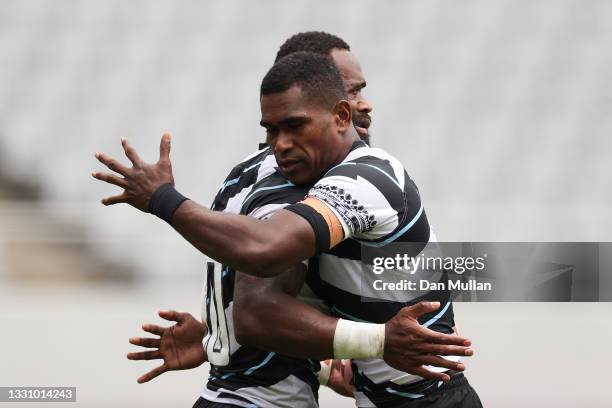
325	371
359	340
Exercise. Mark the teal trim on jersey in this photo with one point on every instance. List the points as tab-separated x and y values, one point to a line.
252	166
287	184
339	165
385	173
228	183
369	165
336	310
235	180
404	394
397	234
263	363
438	316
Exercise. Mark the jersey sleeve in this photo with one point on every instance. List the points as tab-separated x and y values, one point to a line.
353	200
269	196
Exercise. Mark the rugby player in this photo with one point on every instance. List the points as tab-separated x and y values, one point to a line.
293	107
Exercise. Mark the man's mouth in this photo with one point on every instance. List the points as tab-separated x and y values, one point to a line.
287	165
361	131
362	124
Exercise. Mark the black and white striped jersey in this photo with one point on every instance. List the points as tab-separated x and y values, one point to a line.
377	204
241	375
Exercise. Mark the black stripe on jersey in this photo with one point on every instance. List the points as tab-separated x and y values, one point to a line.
241	176
228	396
390	394
274	189
350	306
252	367
354	307
353	249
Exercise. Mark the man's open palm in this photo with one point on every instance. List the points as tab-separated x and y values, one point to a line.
180	345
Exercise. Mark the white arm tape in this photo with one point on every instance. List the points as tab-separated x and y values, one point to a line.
325	371
359	340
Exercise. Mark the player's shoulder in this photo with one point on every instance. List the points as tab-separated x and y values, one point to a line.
243	175
252	161
375	165
273	190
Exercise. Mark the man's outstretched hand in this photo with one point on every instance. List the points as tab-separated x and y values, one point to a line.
141	180
409	346
180	345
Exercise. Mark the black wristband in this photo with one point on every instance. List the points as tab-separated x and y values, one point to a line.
165	201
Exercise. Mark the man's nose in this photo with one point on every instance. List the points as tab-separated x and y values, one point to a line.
283	144
364	106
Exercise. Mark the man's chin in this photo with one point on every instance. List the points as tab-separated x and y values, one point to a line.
363	133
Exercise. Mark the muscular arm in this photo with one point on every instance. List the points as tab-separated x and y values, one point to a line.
268	316
257	247
261	248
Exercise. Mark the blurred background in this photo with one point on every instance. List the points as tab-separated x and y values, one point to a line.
500	110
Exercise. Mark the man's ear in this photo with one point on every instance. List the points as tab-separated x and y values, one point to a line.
343	115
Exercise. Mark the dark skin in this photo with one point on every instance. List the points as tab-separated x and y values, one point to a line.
307	140
354	84
179	346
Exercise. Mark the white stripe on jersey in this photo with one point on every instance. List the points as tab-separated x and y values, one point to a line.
288	393
398	168
266	168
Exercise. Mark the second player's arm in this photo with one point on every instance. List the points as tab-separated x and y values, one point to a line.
268	316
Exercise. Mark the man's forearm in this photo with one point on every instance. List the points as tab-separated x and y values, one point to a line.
257	247
267	317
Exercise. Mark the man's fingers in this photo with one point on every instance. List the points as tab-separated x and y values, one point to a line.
145	342
153	329
441	362
430	375
122	198
130	152
144	355
347	369
421	308
164	147
444	350
431	336
152	374
172	315
112	164
110	178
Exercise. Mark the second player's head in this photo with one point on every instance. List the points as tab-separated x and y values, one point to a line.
306	114
350	70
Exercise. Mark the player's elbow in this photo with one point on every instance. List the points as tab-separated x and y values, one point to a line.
263	259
